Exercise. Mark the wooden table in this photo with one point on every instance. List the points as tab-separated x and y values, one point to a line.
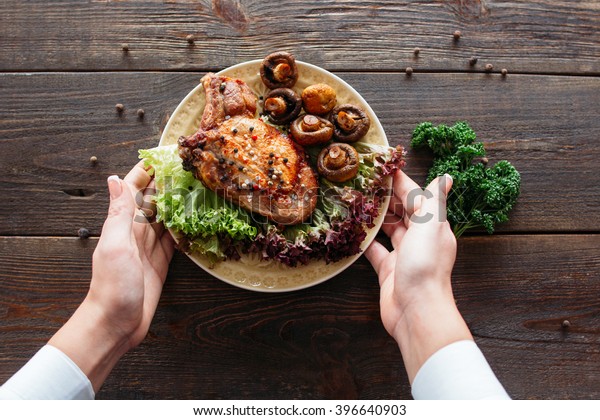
63	69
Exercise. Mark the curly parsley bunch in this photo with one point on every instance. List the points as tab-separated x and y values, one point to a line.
481	196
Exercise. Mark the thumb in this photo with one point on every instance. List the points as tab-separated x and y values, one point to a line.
121	210
436	194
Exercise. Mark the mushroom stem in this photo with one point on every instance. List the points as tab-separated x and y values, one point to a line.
310	123
275	105
350	121
338	162
282	71
337	158
345	121
309	130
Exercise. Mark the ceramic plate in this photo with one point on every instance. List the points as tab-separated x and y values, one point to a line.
250	272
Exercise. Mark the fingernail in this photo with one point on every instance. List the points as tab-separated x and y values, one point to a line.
448	177
114	186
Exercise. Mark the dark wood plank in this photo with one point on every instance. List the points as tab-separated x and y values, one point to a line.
515	294
533	36
50	125
211	340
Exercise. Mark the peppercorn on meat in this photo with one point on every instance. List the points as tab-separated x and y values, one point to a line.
245	160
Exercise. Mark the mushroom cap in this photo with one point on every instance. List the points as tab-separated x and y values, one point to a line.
351	123
282	105
318	99
338	162
279	70
309	130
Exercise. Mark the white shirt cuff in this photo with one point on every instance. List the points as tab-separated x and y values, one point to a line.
49	375
458	371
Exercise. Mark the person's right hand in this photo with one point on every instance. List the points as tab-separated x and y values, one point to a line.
417	304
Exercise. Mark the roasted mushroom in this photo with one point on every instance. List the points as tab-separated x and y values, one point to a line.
282	105
308	130
279	70
318	99
351	123
338	162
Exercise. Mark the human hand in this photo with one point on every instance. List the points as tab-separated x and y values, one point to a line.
424	246
131	260
417	304
129	268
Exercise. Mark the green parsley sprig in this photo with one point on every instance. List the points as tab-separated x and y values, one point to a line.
481	196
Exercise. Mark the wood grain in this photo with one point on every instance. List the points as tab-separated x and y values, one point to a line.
524	37
210	340
63	69
51	124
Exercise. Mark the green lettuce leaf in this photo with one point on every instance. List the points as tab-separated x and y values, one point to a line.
184	204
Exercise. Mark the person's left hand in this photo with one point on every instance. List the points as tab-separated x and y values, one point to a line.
131	260
129	268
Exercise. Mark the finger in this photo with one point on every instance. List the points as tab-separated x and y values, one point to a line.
159	259
121	210
434	206
152	291
168	244
138	178
165	247
158	228
376	254
149	205
147	235
396	206
146	213
157	237
390	222
408	192
393	226
148	238
146	204
140	226
149	208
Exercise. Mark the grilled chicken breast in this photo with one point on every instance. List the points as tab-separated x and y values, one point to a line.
245	160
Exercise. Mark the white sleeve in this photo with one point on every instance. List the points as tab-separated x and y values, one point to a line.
458	371
49	375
